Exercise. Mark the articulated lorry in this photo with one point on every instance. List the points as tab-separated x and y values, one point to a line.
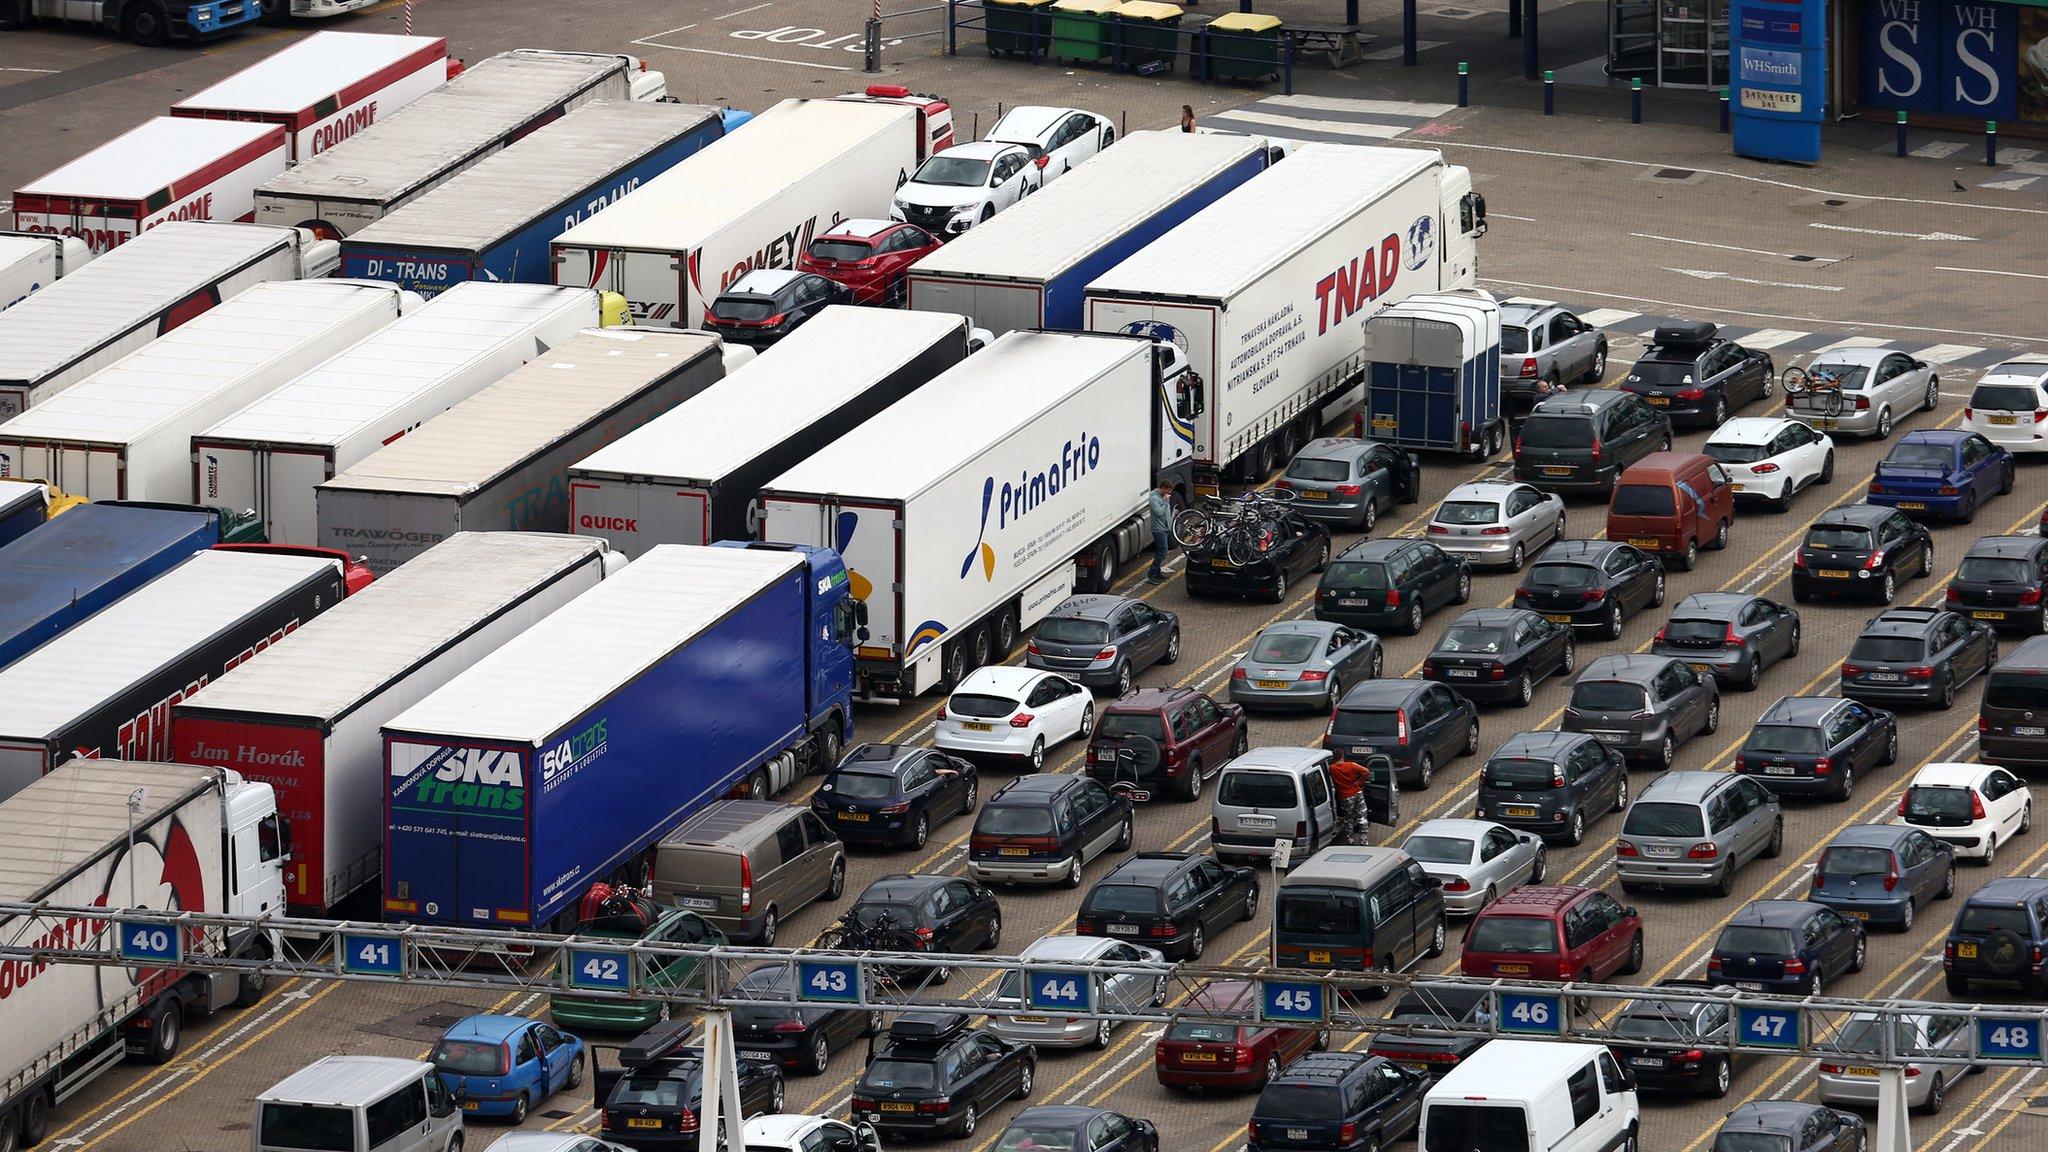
560	759
150	23
116	834
964	510
304	715
32	260
1266	290
693	475
84	560
125	432
164	169
499	460
149	286
361	179
325	88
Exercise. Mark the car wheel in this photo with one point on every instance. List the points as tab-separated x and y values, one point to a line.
1667	752
1123	679
1425	771
1967	513
1792	649
1191	790
1472	739
1540	868
1487	897
1827	468
1621	795
1776	847
1073	877
1887	589
1525	691
769	925
986	212
1782	502
1927	559
1724	1078
1635	957
1753	673
1413	624
995	931
1172	648
1935	1096
1884	424
820	1054
575	1080
1280	586
1251	903
1125	835
973	796
972	1120
1464	586
1103	1029
1724	884
1371	516
1720	409
1906	917
520	1107
1198	944
1614	622
1933	392
1571	656
1379	661
1713	724
1272	1071
1948	882
1598	370
1035	761
1990	856
1087	722
1691	559
1657	592
1335	693
1846	783
1577	835
922	831
1518	557
1947	699
1024	1080
1862	953
1436	940
2026	817
1720	537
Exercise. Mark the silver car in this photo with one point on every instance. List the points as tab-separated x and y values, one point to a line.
1304	663
1544	341
1879	388
1497	523
1851	1076
1278	792
1694	830
1476	859
1347	482
1643	706
1125	992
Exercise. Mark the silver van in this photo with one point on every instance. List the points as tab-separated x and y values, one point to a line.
359	1104
1273	794
747	865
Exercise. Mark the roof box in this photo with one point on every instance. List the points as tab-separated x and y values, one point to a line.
1684	335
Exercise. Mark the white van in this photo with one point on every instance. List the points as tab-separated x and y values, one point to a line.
1532	1096
359	1104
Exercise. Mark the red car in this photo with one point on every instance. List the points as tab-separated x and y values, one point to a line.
1554	932
869	257
1194	1054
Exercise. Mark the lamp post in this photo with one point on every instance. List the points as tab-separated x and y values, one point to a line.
136	800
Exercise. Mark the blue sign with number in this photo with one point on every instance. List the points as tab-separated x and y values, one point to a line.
1292	1002
600	970
151	943
1060	990
2009	1038
828	983
371	956
1775	1028
1531	1014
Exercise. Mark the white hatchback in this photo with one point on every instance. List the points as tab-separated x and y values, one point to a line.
2010	405
1978	808
1771	458
1011	713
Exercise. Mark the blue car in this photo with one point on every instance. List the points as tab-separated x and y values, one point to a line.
1788	946
1816	745
505	1065
1883	873
1941	472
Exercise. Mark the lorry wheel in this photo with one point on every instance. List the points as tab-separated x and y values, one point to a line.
10	1134
35	1118
14	14
166	1030
276	11
1004	639
249	992
954	668
978	648
828	746
147	25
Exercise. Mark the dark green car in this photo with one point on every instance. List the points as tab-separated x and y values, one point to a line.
629	919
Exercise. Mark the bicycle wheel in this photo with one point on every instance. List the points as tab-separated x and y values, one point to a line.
1191	526
1237	548
1831	401
1795	381
1278	495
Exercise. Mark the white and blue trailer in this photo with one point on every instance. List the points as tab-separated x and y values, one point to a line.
494	221
1432	375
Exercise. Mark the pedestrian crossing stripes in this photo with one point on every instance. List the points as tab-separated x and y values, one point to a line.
1331	119
1785	343
2019	169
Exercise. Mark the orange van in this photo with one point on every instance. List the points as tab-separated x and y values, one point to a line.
1673	504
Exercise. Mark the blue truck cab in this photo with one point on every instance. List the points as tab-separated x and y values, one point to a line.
1432	378
145	22
835	622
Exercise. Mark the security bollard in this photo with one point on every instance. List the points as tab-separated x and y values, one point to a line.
1464	77
1549	92
1635	100
1287	69
1724	109
1991	143
1902	135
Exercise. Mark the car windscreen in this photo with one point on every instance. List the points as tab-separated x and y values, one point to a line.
1838	537
1654	819
2005	398
1468	512
1609	696
1556	432
1123	898
744	307
1245	788
1745	939
1284	648
892	1075
1513	341
1465	1127
953	172
1932	805
1855	860
1977	919
1014	820
315	1127
1920	457
1298	1102
1736	453
1863	1034
471	1058
981	706
1356	576
1366	722
1066	630
1995	570
648	1091
863	785
1887	649
1521	935
1696	632
844	251
1564	577
1798	738
1439	849
1323	471
1202	1032
1474	638
1517	772
1644	500
1117	725
1660	373
1848	377
1654	1027
2016	690
1320	913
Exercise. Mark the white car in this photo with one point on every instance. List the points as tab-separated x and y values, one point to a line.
1771	458
1058	138
965	185
2010	405
559	1142
1013	713
791	1132
1976	807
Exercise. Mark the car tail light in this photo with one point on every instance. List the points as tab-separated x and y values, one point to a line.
2031	596
746	884
1788	399
787	1027
1022	720
1852	670
1162	931
1921	673
1251	1129
1795	967
1763	469
1948	490
924	935
1042	161
1596	451
1300	829
1032	648
1107	653
1283	482
1084	926
1238	674
1741	762
1954	593
1458	886
1863	403
1891	876
1692	1056
860	1105
1692	394
1902	800
1315	674
1596	594
1976	805
1499	672
1831	1069
2040	414
894	809
686	1120
1528	366
1660	634
1496	531
1983	725
1242	1057
1729	637
1518	443
1348	1132
1393	597
1713	966
1524	591
1429	668
1799	559
1875	558
1911	1072
1348	489
1969	413
935	1107
1401	727
1823	766
1707	851
1820	878
1439	530
1876	488
1557	780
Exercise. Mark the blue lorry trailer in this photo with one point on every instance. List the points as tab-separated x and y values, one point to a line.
1432	376
84	560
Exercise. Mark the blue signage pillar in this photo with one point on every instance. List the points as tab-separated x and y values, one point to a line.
1778	57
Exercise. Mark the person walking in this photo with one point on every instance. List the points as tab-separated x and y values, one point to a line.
1348	779
1187	118
1159	510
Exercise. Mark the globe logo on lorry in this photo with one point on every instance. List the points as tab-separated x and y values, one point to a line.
1421	242
1158	330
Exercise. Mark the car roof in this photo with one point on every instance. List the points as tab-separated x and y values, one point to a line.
1150	700
1000	678
1376	549
1300	628
1279	757
981	149
1458	826
1773	913
1945	436
1693	786
1868	357
1577	551
1151	866
766	281
1771	1116
1860	515
488	1028
1032	119
1090	607
1221	994
2010	890
1323	1067
1522	313
2016	546
1381	692
1034	789
1455	1001
1711	605
1800	709
1579	402
1540	745
862	228
1749	430
782	1128
1057	1115
2021	370
1534	897
1066	948
1495	490
878	757
1870	836
1903	622
1632	667
345	1081
1949	773
899	887
1332	447
1492	616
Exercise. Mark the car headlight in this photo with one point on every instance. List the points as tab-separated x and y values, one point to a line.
966	211
900	205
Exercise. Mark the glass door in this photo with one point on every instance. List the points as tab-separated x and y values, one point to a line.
1692	47
1632	39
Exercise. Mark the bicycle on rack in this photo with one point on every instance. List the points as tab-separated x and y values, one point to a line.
881	931
1240	527
1822	387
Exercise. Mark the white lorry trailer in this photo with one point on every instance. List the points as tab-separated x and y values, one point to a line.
125	299
961	510
125	432
753	201
164	169
499	460
304	715
112	833
472	116
270	455
692	475
1266	290
32	260
325	88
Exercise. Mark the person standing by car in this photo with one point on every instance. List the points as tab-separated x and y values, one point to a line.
1347	780
1159	509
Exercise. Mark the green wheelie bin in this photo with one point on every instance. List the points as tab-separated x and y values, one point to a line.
1081	30
1244	46
1016	27
1151	35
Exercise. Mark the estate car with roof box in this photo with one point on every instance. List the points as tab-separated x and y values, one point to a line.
933	1075
1692	374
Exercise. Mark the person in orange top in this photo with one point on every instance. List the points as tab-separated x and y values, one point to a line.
1348	779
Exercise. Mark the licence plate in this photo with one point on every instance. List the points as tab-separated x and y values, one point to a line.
1198	1057
1318	956
1859	1070
1912	506
1016	852
1221	562
1556	470
1645	1062
854	817
1659	401
1702	667
1512	969
973	726
1029	1019
895	1106
1352	602
1271	683
1297	1133
2029	730
1835	573
1312	494
1518	810
1611	737
1263	823
471	1105
1750	985
1780	770
1468	673
1883	677
1987	615
700	904
1643	541
2004	419
1123	929
1735	487
1385	422
1663	850
1966	951
1557	617
646	1122
1858	915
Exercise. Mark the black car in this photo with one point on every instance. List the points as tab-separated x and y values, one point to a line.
1383	584
1790	1126
1596	584
1443	1007
1172	901
1417	724
1583	441
1073	1128
922	913
1789	946
1552	784
1918	655
1692	375
1501	654
936	1076
2000	935
1816	745
1044	829
2002	581
651	1102
1104	641
1286	547
792	1035
1688	1041
1337	1102
1860	550
767	304
893	794
1734	635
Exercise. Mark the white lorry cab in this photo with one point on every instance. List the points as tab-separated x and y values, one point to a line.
1532	1096
359	1104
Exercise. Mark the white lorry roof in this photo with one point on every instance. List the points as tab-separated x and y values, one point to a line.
162	152
506	190
926	436
1089	207
347	654
140	633
324	406
293	79
65	818
570	662
135	395
717	186
420	140
97	303
1231	244
835	356
511	421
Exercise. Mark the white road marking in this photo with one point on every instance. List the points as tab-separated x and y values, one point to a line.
1242	117
1940	149
1946	353
1991	272
1769	338
741	12
40	71
2012	185
1375	107
1710	274
1852	342
651	43
1505	216
1723	247
1900	235
655	40
1607	317
1977	1121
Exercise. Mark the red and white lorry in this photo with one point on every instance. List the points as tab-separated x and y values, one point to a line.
325	88
164	169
